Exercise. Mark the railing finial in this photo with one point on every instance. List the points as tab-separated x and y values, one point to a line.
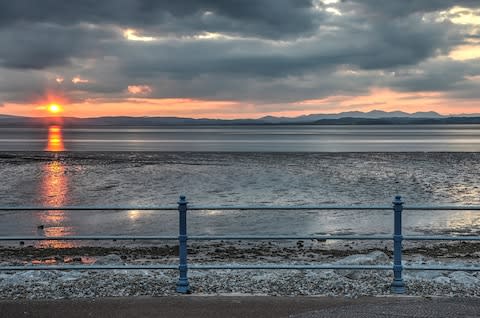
183	200
398	200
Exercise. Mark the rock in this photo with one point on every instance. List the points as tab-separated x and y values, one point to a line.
111	259
321	274
427	275
355	274
70	276
441	280
373	258
464	278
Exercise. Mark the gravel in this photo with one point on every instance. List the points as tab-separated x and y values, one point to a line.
346	283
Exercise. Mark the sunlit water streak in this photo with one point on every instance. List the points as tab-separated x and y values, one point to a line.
54	192
286	138
55	139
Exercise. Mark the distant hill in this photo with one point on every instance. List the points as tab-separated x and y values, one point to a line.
375	117
399	121
354	114
117	121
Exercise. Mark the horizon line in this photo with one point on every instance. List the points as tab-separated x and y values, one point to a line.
249	118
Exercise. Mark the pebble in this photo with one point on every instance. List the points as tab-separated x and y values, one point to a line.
121	283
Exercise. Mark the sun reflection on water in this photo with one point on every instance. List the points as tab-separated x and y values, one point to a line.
55	139
134	215
54	192
464	222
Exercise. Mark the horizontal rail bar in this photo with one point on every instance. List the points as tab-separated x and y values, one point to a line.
442	207
299	207
85	238
287	237
88	208
440	268
441	238
237	237
286	266
196	238
194	267
236	267
226	208
191	208
86	267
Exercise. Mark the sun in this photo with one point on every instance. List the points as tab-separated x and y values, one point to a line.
54	108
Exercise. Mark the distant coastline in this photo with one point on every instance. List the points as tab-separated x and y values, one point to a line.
346	118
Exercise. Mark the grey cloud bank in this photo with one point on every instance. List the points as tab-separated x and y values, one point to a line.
253	51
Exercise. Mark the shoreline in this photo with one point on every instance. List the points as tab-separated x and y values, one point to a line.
243	250
346	283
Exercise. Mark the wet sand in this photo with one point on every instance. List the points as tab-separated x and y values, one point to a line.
234	252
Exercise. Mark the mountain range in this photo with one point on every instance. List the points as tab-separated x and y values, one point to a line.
344	118
356	114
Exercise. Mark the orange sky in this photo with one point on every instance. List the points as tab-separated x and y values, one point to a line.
382	99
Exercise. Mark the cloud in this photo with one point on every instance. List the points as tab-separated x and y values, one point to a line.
441	75
263	52
389	9
139	89
269	18
22	87
79	80
40	46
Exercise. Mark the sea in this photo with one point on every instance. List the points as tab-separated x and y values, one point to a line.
259	138
238	165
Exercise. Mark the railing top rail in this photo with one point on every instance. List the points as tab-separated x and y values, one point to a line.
241	207
238	237
88	208
442	207
196	237
291	207
337	207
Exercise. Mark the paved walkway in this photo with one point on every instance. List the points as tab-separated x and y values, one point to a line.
244	306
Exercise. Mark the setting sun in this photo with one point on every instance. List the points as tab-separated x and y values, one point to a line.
54	108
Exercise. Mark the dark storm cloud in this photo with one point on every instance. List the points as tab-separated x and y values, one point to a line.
267	50
404	42
382	8
272	18
19	86
436	75
40	46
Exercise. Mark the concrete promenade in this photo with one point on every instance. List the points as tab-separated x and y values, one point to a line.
243	306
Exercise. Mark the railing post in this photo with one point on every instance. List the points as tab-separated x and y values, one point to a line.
398	286
182	284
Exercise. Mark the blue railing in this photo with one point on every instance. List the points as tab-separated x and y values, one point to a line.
183	286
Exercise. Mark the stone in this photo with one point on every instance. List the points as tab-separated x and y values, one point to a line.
427	275
442	280
373	258
110	259
464	278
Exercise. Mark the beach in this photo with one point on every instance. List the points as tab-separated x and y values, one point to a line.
345	283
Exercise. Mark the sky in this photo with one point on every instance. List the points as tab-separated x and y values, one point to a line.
238	58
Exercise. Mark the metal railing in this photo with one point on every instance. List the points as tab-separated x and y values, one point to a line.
183	286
